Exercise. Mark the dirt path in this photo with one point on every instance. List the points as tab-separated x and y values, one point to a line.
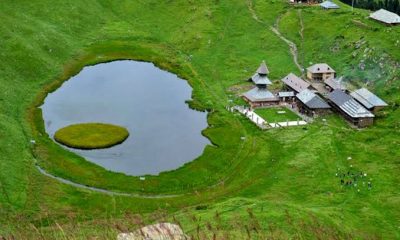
275	29
293	48
100	190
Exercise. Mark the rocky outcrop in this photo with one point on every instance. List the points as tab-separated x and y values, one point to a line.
160	231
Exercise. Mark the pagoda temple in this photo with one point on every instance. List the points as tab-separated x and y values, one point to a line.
260	96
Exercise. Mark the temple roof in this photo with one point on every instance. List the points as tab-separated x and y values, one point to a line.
261	79
262	69
260	95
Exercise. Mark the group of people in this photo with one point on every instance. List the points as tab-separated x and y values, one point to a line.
354	179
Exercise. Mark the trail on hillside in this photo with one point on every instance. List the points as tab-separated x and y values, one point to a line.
275	29
293	48
301	33
100	190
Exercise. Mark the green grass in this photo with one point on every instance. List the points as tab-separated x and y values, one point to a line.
271	114
91	135
278	183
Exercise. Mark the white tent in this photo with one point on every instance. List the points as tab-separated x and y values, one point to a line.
385	16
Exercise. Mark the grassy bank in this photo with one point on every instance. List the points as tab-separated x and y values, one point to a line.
282	182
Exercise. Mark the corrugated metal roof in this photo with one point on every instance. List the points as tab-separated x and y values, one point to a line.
261	79
385	16
295	82
329	5
260	95
320	68
311	100
348	104
367	98
286	94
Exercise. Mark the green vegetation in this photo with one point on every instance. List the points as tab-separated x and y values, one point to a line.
277	114
278	183
91	135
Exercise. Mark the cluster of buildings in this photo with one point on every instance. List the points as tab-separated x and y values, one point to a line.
317	95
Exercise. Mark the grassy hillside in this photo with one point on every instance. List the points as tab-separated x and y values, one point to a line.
279	183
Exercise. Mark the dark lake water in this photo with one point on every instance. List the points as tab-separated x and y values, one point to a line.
164	132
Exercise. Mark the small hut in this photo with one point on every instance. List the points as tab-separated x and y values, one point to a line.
385	17
329	5
260	95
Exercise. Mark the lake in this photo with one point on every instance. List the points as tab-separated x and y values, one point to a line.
164	132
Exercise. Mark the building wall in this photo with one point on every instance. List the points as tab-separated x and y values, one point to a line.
359	122
261	104
309	75
319	76
377	109
365	122
312	112
328	75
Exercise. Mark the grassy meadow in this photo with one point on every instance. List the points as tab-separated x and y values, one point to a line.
279	183
277	114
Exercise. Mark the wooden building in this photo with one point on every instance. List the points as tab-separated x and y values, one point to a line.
311	104
353	111
369	100
260	96
320	72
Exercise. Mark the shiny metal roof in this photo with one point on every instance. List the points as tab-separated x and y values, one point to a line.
260	95
348	104
367	98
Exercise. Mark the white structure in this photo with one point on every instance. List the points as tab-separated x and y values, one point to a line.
385	16
329	5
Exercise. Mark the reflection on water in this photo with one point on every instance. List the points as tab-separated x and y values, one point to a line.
164	132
